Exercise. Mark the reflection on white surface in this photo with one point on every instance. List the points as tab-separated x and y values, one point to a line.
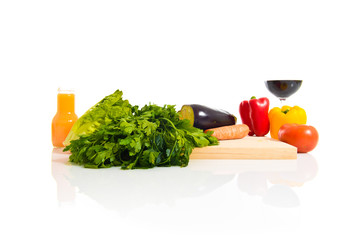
275	184
126	190
281	196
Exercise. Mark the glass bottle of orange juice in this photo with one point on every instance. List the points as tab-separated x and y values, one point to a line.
64	118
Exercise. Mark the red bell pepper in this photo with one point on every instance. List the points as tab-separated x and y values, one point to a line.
254	113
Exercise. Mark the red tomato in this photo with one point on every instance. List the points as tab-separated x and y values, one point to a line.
304	137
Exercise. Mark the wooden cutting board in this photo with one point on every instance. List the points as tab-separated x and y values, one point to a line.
247	148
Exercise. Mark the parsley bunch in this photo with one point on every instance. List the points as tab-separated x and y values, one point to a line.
145	138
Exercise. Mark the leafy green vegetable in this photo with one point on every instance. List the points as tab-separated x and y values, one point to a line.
134	138
110	107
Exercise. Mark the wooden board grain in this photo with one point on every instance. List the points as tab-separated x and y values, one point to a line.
247	148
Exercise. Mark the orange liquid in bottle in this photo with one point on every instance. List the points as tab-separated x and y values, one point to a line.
64	118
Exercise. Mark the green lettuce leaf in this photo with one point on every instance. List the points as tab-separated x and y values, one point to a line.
110	108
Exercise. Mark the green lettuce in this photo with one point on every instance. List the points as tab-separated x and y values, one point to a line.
110	108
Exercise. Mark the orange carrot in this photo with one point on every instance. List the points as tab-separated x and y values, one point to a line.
230	132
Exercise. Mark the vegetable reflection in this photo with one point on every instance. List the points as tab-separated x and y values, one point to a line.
276	187
124	191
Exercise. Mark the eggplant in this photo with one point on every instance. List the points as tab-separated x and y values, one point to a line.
205	117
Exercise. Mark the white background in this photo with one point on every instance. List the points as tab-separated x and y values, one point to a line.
215	53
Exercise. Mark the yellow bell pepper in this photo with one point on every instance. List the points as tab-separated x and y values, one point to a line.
286	114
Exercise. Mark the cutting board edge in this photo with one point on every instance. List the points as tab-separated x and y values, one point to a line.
244	156
218	148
